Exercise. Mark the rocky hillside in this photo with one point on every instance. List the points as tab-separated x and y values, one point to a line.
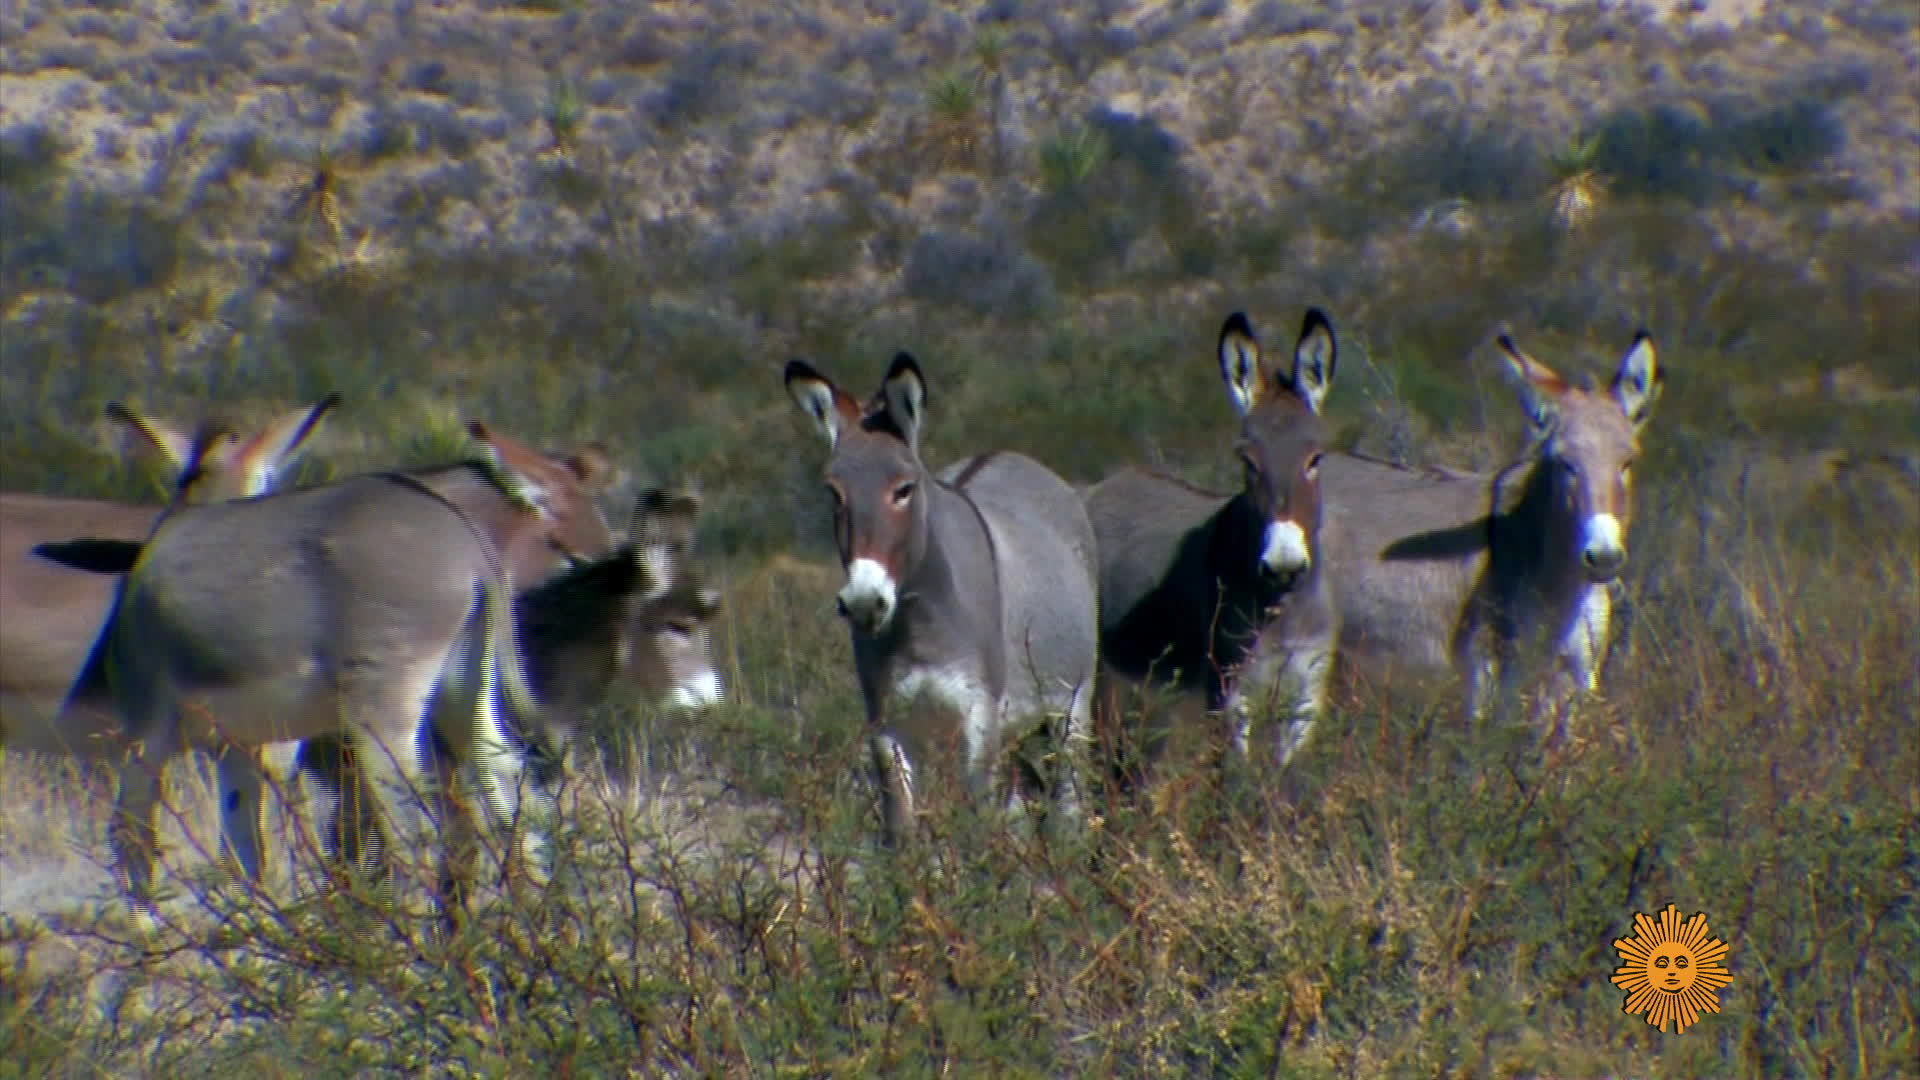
929	139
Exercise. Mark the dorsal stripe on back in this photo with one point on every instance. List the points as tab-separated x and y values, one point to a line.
973	468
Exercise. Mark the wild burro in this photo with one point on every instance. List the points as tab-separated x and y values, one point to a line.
350	609
640	616
1196	585
536	508
51	613
1442	569
975	587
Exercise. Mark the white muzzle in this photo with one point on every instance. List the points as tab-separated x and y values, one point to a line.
1604	549
1285	552
869	597
702	690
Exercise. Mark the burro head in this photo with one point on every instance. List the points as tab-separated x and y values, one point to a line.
1589	440
560	488
674	623
876	481
1281	436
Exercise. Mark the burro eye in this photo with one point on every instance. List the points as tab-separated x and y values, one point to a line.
1313	465
903	492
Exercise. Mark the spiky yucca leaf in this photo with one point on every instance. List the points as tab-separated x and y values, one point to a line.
1071	157
953	117
564	111
1578	188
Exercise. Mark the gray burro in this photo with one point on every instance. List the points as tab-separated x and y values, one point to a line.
1471	572
1196	585
51	609
346	609
976	587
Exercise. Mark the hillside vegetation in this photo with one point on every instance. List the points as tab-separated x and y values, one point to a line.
580	220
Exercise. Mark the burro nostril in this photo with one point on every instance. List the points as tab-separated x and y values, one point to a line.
1283	578
1604	562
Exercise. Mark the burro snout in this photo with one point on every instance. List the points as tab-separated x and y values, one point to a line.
869	598
1605	550
1285	553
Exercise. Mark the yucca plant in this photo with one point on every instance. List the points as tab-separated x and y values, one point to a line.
564	111
1069	158
315	201
1578	189
953	118
362	263
990	50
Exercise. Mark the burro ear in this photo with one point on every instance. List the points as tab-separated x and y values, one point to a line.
1240	363
662	516
592	465
905	392
173	443
1539	387
824	403
1314	359
260	461
1637	385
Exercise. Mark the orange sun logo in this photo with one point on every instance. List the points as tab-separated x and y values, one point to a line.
1672	969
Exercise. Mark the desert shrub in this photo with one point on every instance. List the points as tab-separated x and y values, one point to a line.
701	84
984	276
31	155
1108	183
1784	138
1454	151
1278	18
101	247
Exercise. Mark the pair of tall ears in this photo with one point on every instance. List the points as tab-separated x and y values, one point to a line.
1251	383
1636	385
900	404
898	407
212	462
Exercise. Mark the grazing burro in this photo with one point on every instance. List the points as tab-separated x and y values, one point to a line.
365	608
1449	570
640	615
50	613
976	587
1192	580
54	552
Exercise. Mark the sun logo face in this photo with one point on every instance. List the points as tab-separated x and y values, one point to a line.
1671	969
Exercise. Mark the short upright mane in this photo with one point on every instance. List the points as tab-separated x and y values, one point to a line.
494	474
